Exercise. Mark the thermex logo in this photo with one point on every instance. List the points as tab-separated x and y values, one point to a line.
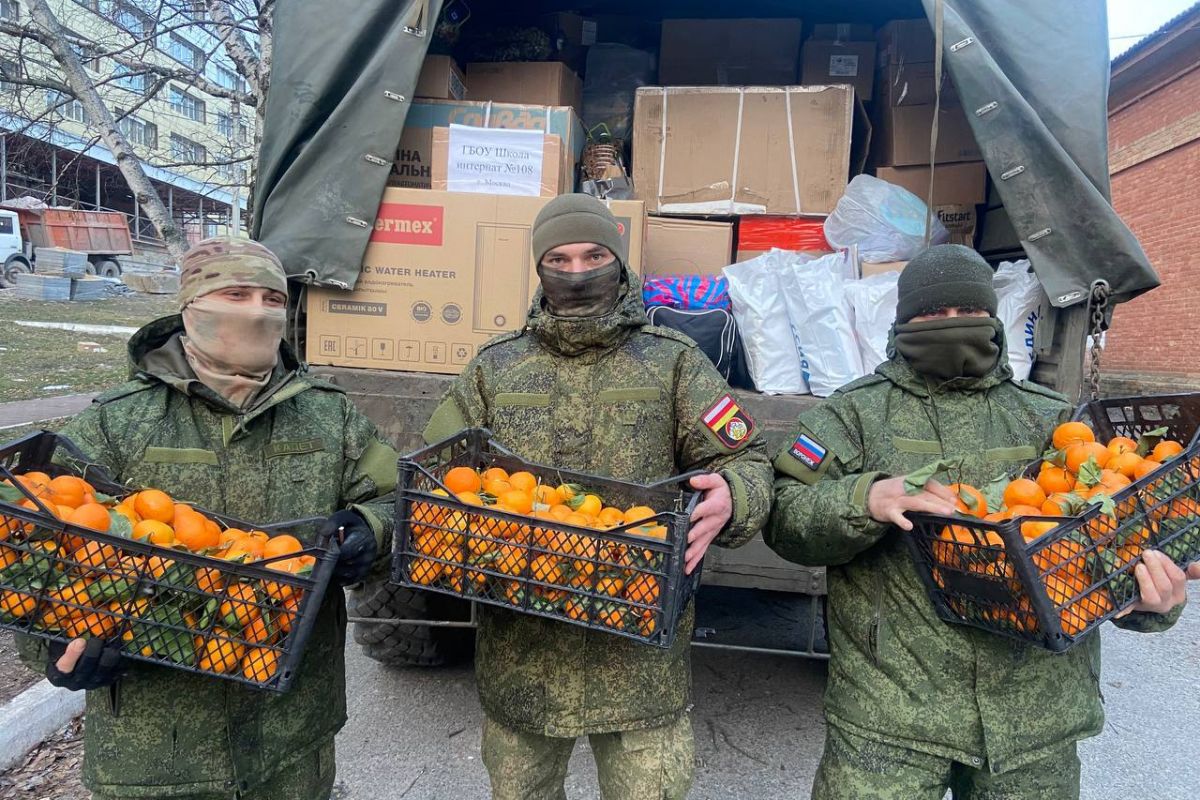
404	223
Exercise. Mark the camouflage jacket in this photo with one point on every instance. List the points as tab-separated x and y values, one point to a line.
614	397
898	673
301	450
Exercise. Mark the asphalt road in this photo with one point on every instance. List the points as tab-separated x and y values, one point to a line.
414	734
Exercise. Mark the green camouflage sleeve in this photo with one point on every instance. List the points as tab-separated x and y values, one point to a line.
820	513
1145	622
89	433
462	407
714	433
369	475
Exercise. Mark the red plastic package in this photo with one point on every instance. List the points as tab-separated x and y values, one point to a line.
805	234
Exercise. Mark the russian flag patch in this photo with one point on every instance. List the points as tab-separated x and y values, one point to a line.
806	450
729	422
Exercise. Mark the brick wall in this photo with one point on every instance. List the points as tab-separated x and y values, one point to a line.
1158	196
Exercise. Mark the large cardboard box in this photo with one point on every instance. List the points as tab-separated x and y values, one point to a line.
729	52
751	150
440	79
906	41
414	156
901	136
552	183
954	184
912	85
682	246
827	62
443	273
534	83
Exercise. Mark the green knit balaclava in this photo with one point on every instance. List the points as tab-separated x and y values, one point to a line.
941	277
577	219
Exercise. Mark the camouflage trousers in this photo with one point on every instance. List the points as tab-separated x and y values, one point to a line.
308	778
856	768
653	764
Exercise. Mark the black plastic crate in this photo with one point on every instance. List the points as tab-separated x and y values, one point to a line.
614	580
1073	573
238	621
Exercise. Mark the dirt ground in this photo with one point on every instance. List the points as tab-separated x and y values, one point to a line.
14	677
51	771
41	362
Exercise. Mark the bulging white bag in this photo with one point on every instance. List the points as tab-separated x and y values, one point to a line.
873	301
886	221
1020	295
762	319
821	321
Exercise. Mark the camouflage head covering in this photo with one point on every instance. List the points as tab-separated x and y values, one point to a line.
223	261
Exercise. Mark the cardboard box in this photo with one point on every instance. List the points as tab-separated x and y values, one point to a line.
912	85
443	273
954	184
534	83
414	157
566	28
686	141
906	41
961	221
681	246
866	270
729	52
840	62
843	32
551	162
440	79
635	30
901	136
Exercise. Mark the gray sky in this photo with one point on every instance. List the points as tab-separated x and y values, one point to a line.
1129	20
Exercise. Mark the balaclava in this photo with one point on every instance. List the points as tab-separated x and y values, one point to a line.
232	347
940	277
573	219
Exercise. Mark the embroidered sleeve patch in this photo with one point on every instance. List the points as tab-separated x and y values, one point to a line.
729	422
806	450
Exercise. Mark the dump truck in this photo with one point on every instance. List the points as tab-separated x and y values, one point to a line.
102	235
344	75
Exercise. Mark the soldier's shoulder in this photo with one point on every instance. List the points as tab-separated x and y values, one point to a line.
322	384
669	334
501	340
1040	392
860	387
125	391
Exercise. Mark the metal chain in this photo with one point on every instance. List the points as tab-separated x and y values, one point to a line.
1097	305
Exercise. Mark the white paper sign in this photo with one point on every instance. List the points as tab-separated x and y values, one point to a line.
843	66
495	160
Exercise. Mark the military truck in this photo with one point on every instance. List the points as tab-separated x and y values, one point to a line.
102	235
343	79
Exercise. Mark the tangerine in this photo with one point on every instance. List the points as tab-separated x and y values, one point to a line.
525	481
462	479
638	514
495	474
1072	433
90	515
1024	492
970	500
1125	463
1122	444
1166	449
1145	467
152	504
1080	453
154	532
68	490
1054	479
517	500
192	532
590	506
282	545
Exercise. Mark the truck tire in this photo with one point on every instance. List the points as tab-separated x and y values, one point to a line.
14	268
90	269
108	268
409	645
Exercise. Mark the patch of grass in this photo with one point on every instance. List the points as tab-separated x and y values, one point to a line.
12	434
132	311
47	363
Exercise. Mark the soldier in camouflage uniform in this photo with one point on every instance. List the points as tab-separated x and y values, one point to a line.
589	385
220	412
917	706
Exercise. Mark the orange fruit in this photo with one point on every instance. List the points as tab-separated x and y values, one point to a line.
152	504
1071	433
546	495
970	500
1166	449
1121	444
1145	467
1062	504
239	610
517	500
525	481
470	498
154	531
590	506
1080	453
575	518
282	545
495	474
231	535
998	516
249	547
497	487
560	512
35	480
611	517
68	490
221	655
638	514
1024	492
260	664
1054	479
462	479
1024	511
1033	529
1125	463
192	532
90	515
95	554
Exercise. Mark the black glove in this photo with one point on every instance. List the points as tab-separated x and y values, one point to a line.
358	546
100	665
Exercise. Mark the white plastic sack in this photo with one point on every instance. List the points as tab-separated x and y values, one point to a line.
821	321
1020	295
762	319
886	221
873	301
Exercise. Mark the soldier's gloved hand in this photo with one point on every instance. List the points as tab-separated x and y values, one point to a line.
358	546
84	664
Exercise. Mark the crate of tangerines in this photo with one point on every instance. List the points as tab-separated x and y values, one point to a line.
1047	555
475	521
81	556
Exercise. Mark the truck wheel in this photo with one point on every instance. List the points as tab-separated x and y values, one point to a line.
409	645
108	269
90	269
14	268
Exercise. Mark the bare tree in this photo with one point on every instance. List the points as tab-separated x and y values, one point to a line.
38	55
